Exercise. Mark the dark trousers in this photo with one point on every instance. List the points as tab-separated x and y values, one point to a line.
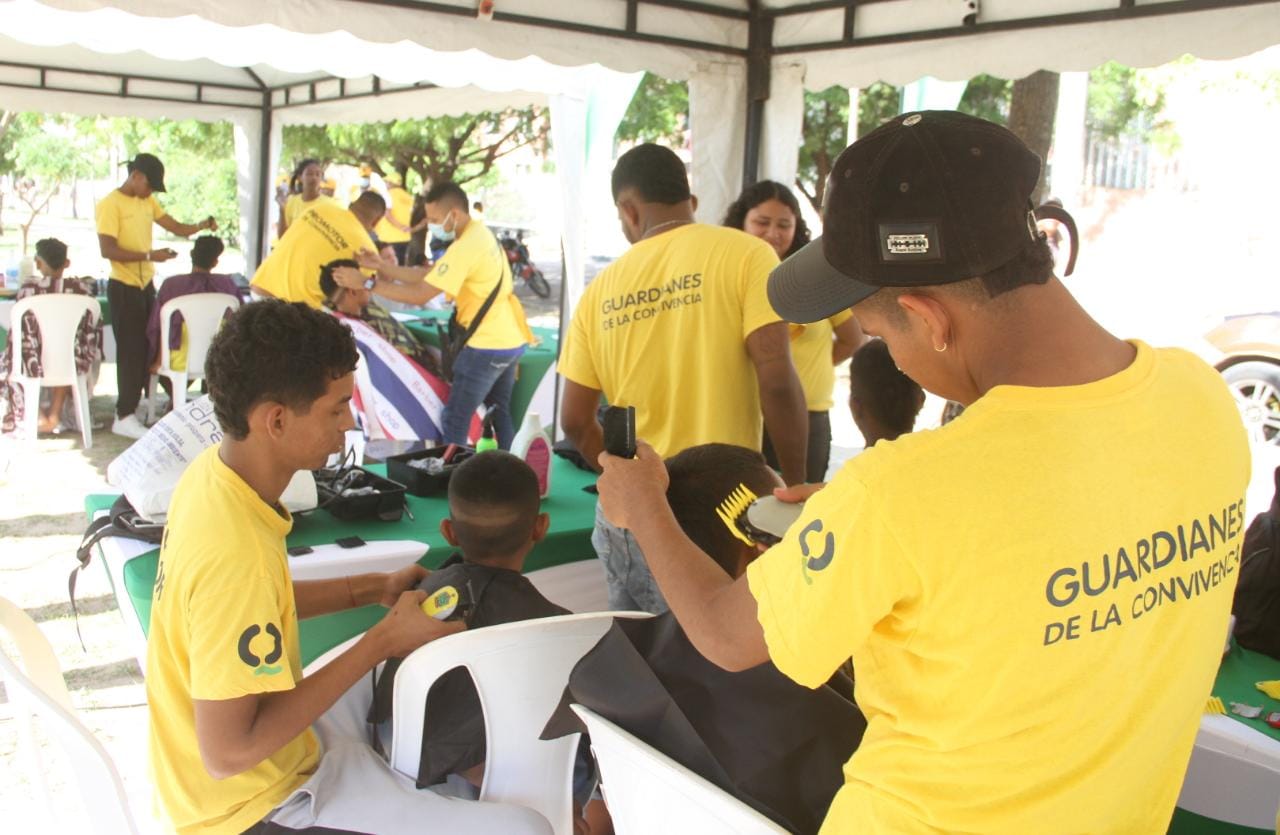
819	453
130	309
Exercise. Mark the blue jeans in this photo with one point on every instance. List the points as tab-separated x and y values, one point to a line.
631	584
481	376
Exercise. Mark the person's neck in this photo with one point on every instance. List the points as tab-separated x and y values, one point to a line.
257	468
657	218
127	190
308	196
1046	340
463	221
510	562
200	270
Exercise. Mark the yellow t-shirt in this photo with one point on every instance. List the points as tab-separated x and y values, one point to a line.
295	206
322	234
1035	598
401	209
128	220
664	329
466	273
223	625
811	353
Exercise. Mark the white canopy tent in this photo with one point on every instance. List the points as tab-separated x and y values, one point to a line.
747	63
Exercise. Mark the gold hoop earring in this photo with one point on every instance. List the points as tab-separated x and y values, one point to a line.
940	350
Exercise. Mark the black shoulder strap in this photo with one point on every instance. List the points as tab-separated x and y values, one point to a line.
480	314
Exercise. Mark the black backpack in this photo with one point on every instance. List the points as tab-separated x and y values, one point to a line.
1257	601
121	520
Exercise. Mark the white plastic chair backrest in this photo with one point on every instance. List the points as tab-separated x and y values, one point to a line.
37	689
58	316
647	791
520	670
202	314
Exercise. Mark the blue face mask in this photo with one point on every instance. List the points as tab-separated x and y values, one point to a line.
437	231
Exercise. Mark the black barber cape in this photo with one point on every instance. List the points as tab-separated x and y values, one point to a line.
453	731
775	745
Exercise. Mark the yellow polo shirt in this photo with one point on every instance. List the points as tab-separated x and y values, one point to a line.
811	352
295	206
223	625
324	233
466	273
1035	598
129	221
664	329
401	208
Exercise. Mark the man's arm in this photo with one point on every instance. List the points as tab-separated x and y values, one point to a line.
849	338
717	612
781	398
320	597
415	291
236	734
578	405
185	230
112	251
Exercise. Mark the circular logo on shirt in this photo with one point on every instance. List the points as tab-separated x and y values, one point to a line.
813	560
265	666
442	268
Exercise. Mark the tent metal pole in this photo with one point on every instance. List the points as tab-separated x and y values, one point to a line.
759	67
264	182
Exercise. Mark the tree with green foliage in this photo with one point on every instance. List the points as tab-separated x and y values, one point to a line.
456	148
825	131
199	161
659	112
43	154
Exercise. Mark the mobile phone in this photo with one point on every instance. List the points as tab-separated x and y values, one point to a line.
349	542
619	423
299	550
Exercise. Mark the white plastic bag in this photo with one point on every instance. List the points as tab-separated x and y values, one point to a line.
148	471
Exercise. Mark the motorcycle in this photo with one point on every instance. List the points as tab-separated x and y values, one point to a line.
522	267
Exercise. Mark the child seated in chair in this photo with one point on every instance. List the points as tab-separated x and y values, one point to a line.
494	521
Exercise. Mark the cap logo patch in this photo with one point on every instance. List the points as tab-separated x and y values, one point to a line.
910	242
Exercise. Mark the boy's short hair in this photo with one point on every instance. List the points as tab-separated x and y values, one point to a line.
494	504
329	285
206	251
53	252
371	202
701	478
275	351
655	172
892	398
450	193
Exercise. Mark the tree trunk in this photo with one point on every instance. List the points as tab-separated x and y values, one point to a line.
75	215
1031	116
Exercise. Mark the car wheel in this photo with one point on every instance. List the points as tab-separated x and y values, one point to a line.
1256	386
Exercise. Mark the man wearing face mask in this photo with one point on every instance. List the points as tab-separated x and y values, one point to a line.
471	272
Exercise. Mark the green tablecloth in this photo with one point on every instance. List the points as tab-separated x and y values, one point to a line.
1241	669
572	513
532	368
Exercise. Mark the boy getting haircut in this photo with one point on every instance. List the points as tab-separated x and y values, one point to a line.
494	519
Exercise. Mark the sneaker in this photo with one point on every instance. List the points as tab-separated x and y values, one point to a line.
128	427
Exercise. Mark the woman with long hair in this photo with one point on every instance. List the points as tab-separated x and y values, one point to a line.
304	191
769	211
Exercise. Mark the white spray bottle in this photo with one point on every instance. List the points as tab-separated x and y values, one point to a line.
533	445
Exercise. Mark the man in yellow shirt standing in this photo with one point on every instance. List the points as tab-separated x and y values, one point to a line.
680	327
239	739
475	275
1034	596
326	232
124	218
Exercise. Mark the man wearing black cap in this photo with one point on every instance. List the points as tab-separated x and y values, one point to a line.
1034	596
124	219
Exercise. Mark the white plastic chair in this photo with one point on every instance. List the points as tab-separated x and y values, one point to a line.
38	690
58	316
202	314
1233	775
647	791
520	671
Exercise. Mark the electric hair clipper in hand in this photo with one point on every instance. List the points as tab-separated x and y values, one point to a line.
756	520
619	425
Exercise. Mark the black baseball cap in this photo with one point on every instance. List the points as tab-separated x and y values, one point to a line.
151	167
929	198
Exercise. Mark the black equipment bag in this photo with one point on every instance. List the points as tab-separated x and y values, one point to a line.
123	521
1257	601
454	337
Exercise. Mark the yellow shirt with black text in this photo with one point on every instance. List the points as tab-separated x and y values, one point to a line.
325	232
811	352
1035	598
129	221
223	625
664	329
466	273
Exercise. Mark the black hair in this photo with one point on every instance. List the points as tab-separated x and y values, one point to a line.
372	201
206	251
892	398
448	192
501	487
329	286
295	181
275	351
761	192
655	172
53	252
702	477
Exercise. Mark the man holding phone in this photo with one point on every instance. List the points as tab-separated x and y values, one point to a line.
124	222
